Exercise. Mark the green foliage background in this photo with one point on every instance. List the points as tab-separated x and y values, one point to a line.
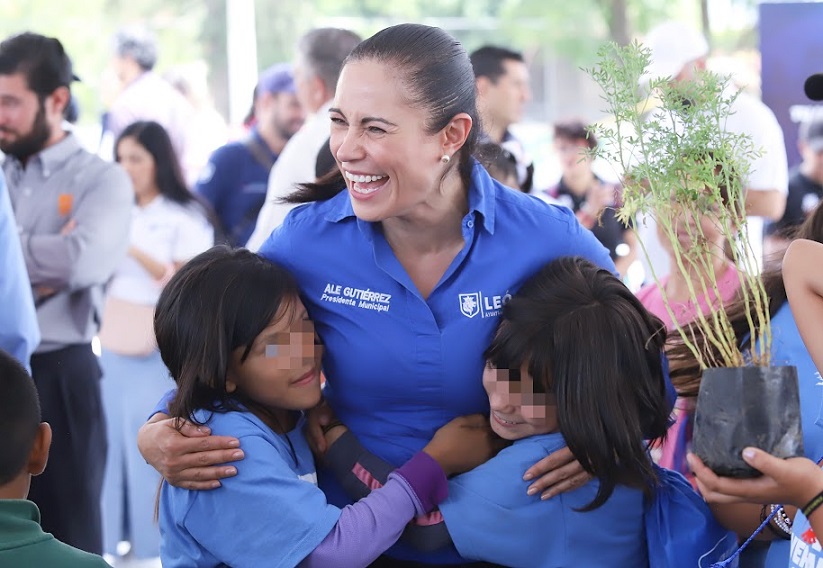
195	29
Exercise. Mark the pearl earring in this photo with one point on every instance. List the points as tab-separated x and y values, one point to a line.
445	159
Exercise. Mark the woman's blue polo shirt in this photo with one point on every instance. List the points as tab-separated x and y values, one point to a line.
399	366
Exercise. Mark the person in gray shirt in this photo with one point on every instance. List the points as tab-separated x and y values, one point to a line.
73	212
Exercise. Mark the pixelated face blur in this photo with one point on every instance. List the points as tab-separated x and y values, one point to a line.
391	164
282	370
517	411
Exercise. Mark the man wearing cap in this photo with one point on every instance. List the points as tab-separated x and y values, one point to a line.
679	52
72	212
235	179
145	95
805	185
320	56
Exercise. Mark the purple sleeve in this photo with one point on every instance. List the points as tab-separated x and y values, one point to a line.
370	526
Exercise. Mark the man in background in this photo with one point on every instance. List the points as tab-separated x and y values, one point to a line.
502	79
320	56
236	176
73	212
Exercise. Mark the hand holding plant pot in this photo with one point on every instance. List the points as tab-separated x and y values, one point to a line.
681	167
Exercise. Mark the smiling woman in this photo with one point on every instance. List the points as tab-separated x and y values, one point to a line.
417	222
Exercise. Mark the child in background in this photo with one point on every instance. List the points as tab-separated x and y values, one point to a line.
23	453
500	163
237	340
547	390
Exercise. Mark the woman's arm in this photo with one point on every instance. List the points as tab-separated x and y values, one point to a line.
156	269
803	277
188	457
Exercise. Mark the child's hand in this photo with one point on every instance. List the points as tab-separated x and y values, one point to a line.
556	473
464	443
190	458
316	419
793	481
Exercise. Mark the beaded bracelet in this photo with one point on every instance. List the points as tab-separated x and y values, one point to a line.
782	520
812	505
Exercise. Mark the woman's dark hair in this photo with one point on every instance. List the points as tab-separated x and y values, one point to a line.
685	371
593	345
437	75
219	301
168	174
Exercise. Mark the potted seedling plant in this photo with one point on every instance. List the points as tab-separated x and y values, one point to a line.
681	167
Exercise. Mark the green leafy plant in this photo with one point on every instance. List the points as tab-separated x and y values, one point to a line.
681	166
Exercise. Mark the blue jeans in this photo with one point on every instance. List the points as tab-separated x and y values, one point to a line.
131	387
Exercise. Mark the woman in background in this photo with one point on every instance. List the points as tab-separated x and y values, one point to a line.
169	226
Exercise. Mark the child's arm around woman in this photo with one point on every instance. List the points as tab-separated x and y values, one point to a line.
243	352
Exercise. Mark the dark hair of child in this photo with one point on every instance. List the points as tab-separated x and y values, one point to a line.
219	301
19	417
593	346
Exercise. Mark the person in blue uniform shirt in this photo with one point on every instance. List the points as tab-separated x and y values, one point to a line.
545	392
19	333
235	178
405	257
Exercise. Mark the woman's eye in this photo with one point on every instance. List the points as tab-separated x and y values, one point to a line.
337	120
376	130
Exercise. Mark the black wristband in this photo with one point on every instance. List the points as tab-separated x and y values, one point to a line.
329	426
812	505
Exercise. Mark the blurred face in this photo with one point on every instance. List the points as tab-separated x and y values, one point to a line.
282	111
705	230
282	370
139	164
505	101
572	156
812	162
24	129
391	165
516	410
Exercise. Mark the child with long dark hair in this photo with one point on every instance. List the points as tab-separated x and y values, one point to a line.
237	340
577	361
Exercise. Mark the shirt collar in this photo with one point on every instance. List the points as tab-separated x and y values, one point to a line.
481	200
55	155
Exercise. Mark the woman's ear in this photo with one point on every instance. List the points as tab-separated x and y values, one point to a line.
455	133
39	456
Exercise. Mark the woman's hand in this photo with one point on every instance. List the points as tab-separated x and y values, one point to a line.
464	443
556	473
793	481
190	457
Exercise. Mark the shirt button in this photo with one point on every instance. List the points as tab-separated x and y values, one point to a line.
470	224
27	191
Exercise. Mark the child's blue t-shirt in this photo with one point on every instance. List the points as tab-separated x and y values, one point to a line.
270	514
490	517
805	549
788	349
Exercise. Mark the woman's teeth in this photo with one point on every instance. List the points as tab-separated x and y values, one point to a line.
362	179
